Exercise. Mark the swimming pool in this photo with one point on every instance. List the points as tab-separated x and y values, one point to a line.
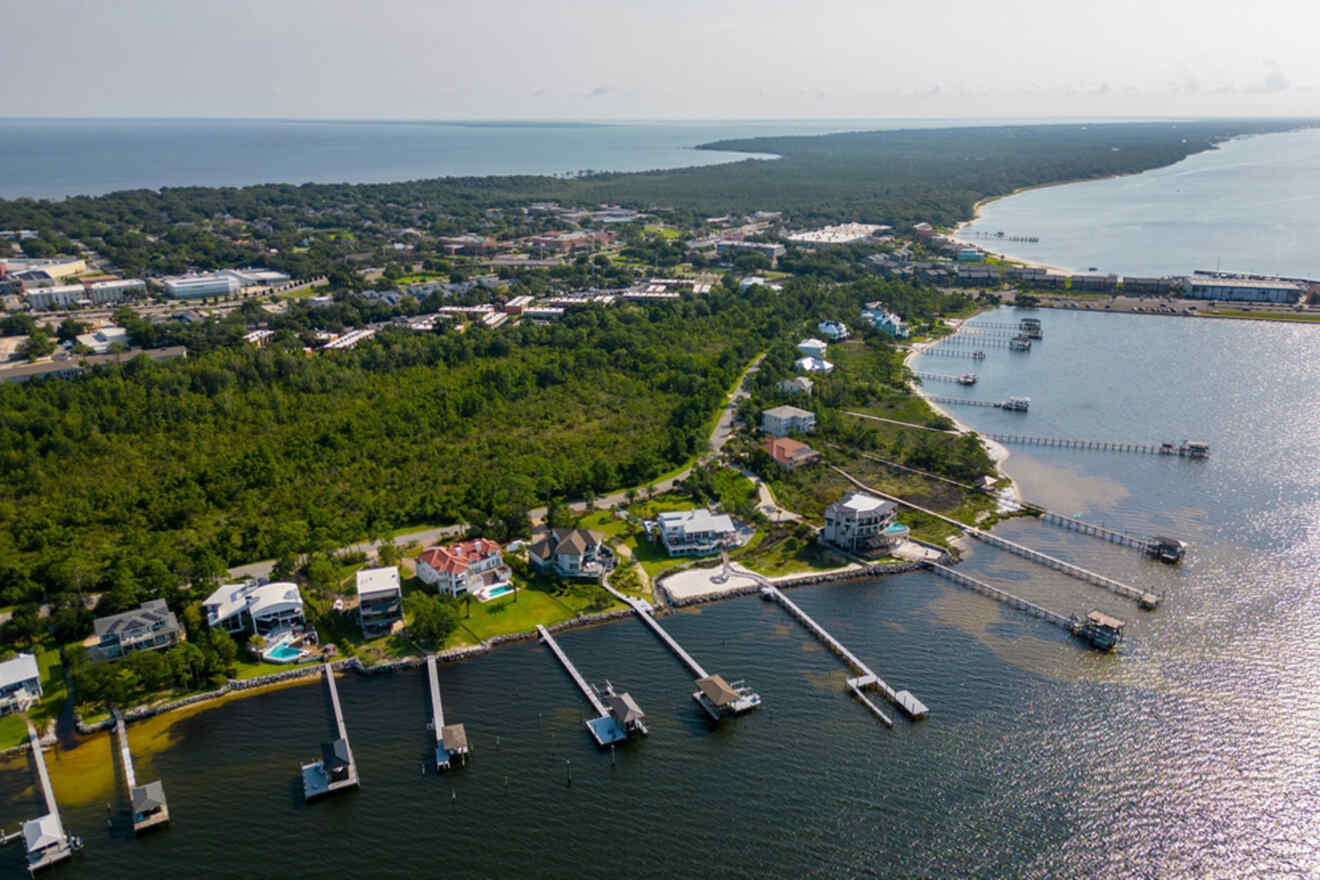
284	653
499	591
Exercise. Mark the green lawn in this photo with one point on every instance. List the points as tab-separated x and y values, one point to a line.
13	731
781	550
523	611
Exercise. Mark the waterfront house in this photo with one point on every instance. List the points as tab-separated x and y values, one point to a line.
796	385
814	365
20	683
696	532
789	453
833	330
857	521
571	553
881	318
255	606
380	600
465	567
151	626
784	420
812	348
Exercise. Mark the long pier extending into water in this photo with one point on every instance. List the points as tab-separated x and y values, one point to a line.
720	698
1186	450
45	838
965	379
865	678
950	353
450	740
337	769
979	586
1144	598
147	801
1012	404
612	723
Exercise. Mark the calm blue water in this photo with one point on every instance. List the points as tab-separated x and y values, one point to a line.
52	158
1192	752
1249	206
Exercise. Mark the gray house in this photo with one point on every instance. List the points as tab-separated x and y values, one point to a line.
149	627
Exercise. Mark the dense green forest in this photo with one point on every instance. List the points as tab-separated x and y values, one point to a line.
135	477
896	177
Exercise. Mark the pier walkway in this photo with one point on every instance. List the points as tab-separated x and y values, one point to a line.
948	353
613	722
965	379
45	838
964	401
451	739
978	586
718	697
337	769
1146	600
865	676
1185	450
972	340
147	801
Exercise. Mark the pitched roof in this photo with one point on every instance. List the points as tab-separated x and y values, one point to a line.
786	450
625	708
19	669
574	540
145	617
457	558
717	690
334	754
42	832
148	797
788	412
454	737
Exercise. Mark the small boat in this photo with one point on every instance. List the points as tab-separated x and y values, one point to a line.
967	379
978	355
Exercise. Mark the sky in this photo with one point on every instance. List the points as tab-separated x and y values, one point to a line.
674	59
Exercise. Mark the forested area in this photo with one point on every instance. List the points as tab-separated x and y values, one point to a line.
896	177
134	478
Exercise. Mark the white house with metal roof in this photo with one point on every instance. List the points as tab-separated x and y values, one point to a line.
857	522
696	532
20	683
255	607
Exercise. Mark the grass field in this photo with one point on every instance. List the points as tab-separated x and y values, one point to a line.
521	612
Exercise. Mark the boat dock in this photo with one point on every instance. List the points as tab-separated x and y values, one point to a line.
1189	449
718	697
45	838
964	379
1101	630
147	801
953	353
865	677
613	722
1145	599
1012	404
450	740
337	770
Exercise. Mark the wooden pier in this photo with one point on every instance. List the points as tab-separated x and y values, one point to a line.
337	769
950	353
450	739
720	698
613	722
973	340
1101	630
1145	599
865	677
1184	450
964	379
148	803
45	838
1013	404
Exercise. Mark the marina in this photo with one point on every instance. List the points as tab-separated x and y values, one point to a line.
336	770
46	840
451	740
617	714
148	803
865	677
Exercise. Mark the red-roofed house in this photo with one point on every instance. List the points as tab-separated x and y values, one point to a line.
788	452
465	567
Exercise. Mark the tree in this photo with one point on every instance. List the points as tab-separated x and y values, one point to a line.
70	329
433	618
37	345
224	646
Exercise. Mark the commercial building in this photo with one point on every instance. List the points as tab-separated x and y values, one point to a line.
149	627
770	249
105	292
784	420
695	532
255	606
465	567
253	276
1244	289
20	683
844	233
857	522
380	600
202	286
61	296
57	267
100	341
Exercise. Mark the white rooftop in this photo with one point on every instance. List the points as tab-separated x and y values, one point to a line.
696	520
42	832
1262	283
19	669
863	503
377	580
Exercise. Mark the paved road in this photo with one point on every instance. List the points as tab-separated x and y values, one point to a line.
423	537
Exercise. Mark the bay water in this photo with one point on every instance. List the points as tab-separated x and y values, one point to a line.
1193	751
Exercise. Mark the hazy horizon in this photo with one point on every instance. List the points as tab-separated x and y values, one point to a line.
597	60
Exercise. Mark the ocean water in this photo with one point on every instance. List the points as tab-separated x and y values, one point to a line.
53	158
1193	751
1248	206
